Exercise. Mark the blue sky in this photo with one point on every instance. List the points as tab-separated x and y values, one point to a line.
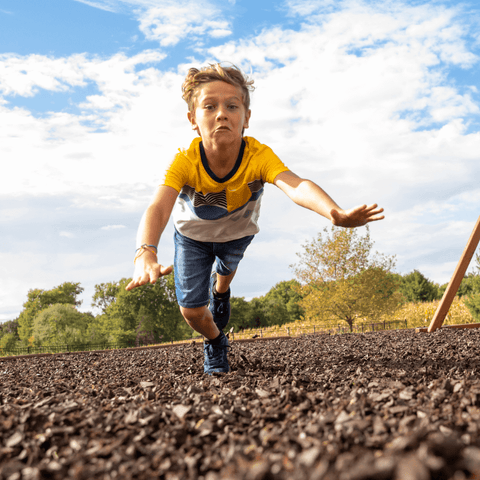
375	101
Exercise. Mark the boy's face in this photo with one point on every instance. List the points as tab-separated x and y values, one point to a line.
219	116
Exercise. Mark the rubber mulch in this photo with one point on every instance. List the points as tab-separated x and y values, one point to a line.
384	405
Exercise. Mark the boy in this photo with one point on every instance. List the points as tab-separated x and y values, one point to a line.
214	190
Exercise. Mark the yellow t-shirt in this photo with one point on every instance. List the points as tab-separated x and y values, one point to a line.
212	209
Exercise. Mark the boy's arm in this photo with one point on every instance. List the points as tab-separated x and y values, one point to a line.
153	222
309	195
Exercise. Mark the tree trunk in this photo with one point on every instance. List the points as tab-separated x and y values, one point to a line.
350	323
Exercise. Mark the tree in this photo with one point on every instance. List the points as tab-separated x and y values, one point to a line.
341	280
282	303
415	287
61	324
145	314
38	299
9	327
472	300
240	314
8	342
8	335
105	294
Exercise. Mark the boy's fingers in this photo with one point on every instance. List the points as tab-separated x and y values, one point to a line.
160	272
166	270
151	277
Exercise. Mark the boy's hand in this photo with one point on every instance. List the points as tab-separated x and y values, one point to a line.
147	271
356	217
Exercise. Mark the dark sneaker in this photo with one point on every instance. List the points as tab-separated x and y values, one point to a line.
219	304
216	356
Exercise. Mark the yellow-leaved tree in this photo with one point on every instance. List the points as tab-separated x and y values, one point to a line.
341	279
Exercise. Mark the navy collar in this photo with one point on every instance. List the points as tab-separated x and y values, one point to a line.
232	172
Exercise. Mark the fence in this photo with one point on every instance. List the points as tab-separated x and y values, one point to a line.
71	348
297	330
275	331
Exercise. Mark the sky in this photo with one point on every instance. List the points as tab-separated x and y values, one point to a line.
375	101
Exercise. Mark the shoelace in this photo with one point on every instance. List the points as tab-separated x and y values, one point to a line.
219	346
221	308
217	355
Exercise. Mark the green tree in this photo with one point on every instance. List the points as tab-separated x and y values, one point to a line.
9	327
282	303
415	287
472	300
240	315
38	299
146	314
258	317
342	280
8	343
9	335
61	324
105	294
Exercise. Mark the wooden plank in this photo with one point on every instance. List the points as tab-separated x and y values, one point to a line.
462	325
456	279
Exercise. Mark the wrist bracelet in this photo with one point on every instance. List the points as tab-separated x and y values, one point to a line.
145	245
142	249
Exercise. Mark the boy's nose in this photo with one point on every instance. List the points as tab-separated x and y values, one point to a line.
221	113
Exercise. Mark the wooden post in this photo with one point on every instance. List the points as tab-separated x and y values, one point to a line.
456	279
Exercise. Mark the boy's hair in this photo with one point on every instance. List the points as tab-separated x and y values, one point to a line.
213	72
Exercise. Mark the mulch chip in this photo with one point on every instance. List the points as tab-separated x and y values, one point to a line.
385	405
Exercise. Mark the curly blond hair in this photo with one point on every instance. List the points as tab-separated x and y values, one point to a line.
211	73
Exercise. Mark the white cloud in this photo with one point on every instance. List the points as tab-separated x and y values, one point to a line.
113	227
171	21
107	5
174	21
126	134
356	92
359	100
67	234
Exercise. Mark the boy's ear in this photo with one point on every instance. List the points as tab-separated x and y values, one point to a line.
247	118
193	123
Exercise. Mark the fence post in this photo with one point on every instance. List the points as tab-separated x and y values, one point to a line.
261	333
384	324
373	327
288	331
405	323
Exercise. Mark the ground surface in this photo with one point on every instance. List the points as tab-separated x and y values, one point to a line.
381	405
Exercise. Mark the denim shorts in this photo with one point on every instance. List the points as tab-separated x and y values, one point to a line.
194	263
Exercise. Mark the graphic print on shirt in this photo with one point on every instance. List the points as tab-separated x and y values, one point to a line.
215	205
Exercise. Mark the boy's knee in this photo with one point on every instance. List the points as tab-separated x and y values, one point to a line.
194	315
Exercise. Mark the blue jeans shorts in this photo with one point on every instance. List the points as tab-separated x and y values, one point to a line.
194	262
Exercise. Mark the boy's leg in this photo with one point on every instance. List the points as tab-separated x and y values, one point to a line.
201	320
223	282
228	256
193	266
